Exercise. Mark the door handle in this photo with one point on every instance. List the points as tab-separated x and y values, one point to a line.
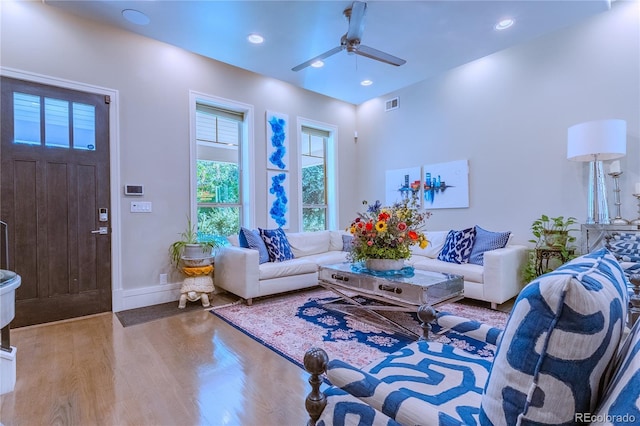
103	230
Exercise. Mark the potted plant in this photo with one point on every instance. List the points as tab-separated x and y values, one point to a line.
550	233
553	231
188	247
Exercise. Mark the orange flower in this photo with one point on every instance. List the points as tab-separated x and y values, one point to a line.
413	235
369	226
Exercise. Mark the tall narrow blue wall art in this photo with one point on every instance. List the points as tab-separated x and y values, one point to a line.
278	199
277	141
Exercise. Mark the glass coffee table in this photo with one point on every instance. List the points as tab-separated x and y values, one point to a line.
407	290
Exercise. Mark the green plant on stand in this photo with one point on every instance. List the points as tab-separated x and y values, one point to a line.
189	246
550	233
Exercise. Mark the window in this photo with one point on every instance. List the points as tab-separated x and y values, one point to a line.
60	117
219	135
314	178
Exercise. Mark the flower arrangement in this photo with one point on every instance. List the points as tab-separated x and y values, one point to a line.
388	232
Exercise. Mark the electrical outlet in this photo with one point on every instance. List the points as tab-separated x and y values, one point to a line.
163	278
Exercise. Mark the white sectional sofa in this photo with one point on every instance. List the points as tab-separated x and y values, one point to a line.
496	281
238	271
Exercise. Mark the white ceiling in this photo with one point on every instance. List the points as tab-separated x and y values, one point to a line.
432	36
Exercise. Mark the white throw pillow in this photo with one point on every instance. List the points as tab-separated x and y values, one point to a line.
308	243
436	242
234	240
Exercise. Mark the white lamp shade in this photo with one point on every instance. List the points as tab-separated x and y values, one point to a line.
601	140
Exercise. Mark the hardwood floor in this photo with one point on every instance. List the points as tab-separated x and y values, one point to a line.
189	369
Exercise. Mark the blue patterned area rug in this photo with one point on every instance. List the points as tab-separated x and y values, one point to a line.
292	323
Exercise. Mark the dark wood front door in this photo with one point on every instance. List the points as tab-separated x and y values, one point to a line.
54	179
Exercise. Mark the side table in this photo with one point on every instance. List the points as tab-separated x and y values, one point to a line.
196	286
546	254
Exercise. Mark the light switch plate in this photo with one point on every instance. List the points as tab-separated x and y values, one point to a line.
141	207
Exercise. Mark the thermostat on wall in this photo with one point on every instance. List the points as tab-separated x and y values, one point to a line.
133	190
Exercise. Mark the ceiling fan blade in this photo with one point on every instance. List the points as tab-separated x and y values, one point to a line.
356	20
318	58
378	55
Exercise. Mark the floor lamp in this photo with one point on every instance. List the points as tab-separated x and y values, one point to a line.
594	142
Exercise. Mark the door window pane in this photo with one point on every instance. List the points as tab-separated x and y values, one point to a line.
56	122
84	126
26	119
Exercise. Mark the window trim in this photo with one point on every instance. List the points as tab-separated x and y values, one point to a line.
331	172
246	165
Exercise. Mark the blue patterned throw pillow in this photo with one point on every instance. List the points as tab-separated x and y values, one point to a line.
277	244
486	241
457	246
564	330
251	239
625	247
619	406
347	242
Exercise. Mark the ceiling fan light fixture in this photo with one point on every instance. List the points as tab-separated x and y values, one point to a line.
317	64
503	24
255	38
366	82
135	17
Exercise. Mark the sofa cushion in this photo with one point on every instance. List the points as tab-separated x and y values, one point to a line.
286	268
485	241
425	383
563	331
469	271
308	243
620	402
436	242
277	244
248	238
327	257
343	408
458	245
335	241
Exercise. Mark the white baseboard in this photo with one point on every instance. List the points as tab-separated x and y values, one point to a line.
145	296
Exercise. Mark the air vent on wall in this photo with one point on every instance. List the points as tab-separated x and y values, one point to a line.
392	104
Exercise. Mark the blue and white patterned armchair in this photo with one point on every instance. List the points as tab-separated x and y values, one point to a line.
564	358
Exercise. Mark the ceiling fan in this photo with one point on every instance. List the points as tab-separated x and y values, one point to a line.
351	40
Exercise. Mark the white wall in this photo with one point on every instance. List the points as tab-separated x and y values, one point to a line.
508	115
153	80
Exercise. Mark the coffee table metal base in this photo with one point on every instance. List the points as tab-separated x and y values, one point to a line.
339	279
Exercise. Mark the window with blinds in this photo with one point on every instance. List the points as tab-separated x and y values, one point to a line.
218	140
314	178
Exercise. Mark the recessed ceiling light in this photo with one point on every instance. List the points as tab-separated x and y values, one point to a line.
255	38
366	82
318	64
504	24
135	17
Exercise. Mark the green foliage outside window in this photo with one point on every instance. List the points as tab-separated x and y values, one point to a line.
313	193
218	183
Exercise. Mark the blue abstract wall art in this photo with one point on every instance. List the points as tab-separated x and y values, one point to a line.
278	199
277	141
446	185
400	183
